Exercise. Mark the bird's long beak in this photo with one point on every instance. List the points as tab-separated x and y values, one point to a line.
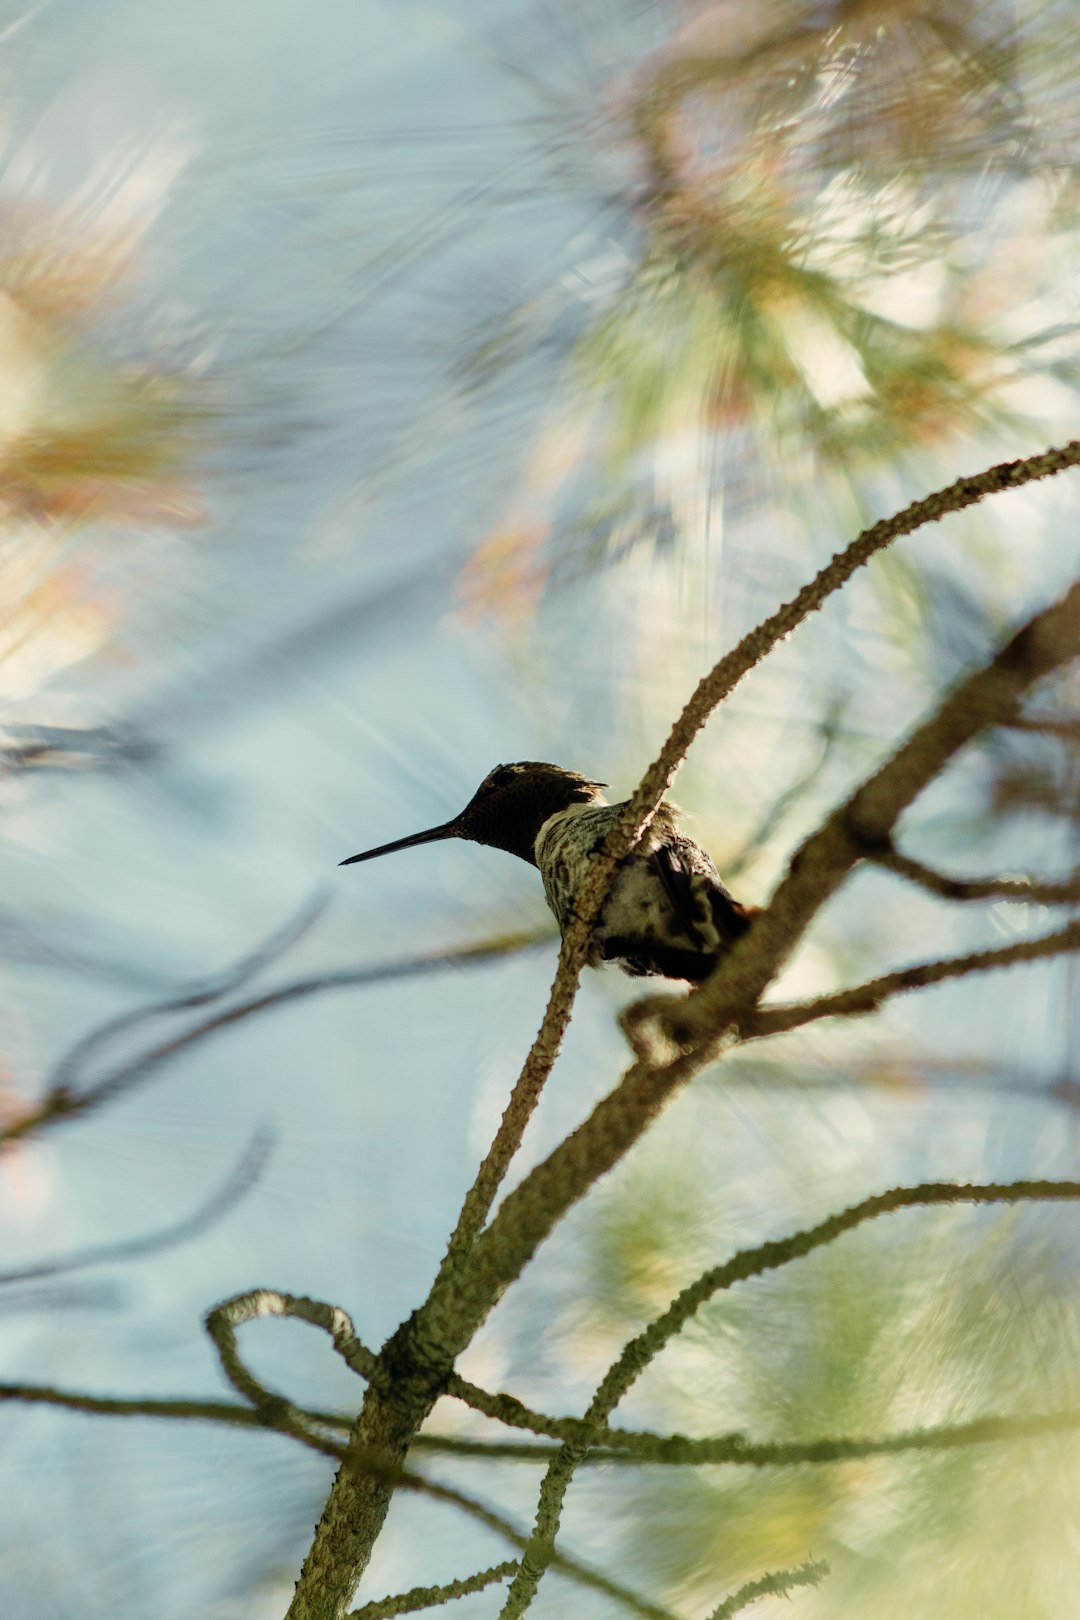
432	836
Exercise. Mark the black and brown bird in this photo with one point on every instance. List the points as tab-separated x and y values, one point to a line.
667	912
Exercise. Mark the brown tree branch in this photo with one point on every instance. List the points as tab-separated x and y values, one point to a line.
862	827
629	1447
869	997
429	1597
1033	891
224	1319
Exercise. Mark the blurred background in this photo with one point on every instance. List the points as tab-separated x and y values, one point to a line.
392	390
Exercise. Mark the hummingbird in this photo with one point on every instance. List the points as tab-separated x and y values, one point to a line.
667	913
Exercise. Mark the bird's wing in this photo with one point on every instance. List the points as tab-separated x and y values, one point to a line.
708	913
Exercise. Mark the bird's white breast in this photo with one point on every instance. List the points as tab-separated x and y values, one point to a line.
636	907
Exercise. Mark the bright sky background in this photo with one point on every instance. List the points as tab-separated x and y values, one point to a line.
326	198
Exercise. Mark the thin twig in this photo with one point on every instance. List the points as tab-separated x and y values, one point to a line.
630	1447
566	1564
224	1319
991	1429
216	988
61	1104
1048	726
1032	891
430	1597
870	996
778	1583
180	1408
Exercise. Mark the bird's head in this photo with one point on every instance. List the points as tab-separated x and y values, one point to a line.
507	810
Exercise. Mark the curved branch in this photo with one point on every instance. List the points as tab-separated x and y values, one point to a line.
222	1322
753	1262
280	1414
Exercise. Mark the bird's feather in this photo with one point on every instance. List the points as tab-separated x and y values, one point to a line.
667	914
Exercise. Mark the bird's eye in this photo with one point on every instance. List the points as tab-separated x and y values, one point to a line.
500	776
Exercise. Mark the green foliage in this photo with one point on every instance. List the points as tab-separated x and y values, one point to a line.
938	1319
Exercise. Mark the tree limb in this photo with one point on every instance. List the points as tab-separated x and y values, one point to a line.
429	1597
862	827
1033	891
869	997
224	1319
632	1447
